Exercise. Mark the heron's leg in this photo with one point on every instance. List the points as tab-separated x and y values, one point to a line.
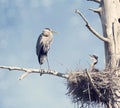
48	64
41	71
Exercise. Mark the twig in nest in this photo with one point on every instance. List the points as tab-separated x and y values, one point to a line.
89	92
92	84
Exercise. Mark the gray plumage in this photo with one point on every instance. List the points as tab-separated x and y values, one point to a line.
43	44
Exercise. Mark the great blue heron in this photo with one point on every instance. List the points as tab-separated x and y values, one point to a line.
43	45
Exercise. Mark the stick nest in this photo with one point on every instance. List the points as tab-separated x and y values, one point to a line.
98	88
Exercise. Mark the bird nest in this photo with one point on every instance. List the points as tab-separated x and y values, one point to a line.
88	87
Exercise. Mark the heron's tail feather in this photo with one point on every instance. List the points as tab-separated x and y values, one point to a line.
41	59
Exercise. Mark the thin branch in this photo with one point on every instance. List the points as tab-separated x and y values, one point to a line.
97	1
91	29
31	70
23	75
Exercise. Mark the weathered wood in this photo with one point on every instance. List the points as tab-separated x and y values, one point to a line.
31	70
91	29
110	18
111	29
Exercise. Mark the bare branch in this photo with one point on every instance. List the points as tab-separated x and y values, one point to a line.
91	29
97	1
98	10
23	75
31	70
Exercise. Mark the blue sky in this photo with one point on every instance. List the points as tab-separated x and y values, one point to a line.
21	22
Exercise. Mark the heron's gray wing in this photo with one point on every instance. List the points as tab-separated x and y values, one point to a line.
38	44
42	48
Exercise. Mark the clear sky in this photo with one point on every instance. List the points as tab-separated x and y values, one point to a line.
21	22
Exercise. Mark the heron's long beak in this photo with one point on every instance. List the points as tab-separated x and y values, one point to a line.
54	32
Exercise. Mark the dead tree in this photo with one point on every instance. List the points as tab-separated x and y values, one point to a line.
91	85
110	14
110	18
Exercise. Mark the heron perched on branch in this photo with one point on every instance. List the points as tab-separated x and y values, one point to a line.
43	45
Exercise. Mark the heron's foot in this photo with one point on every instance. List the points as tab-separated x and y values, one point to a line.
40	74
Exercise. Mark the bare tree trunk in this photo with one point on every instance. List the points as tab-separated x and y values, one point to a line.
109	15
109	12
